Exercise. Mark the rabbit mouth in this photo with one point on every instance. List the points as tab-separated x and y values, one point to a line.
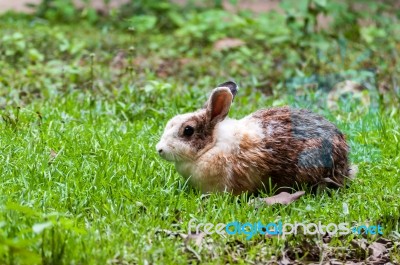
165	153
167	156
173	157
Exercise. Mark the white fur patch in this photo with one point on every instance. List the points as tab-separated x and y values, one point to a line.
169	142
229	133
211	171
226	135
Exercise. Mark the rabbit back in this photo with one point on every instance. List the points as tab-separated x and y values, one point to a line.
301	146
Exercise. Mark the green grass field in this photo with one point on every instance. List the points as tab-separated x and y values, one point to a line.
82	108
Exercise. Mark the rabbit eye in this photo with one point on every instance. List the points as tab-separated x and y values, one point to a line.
188	131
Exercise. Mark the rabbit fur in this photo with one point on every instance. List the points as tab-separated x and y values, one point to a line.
278	147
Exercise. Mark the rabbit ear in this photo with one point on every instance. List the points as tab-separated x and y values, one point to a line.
229	84
219	104
232	87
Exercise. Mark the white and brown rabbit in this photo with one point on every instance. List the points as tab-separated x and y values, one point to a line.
277	146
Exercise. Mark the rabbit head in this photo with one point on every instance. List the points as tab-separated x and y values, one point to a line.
189	135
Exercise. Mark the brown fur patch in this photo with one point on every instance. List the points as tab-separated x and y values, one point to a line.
306	148
203	133
301	148
247	166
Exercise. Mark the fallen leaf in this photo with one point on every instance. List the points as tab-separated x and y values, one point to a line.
228	43
283	198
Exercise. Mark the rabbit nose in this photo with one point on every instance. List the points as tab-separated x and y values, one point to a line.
159	148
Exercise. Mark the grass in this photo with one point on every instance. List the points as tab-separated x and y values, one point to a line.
82	183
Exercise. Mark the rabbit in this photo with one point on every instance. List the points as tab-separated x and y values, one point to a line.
278	147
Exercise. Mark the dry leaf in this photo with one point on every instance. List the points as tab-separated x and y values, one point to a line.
227	43
283	198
